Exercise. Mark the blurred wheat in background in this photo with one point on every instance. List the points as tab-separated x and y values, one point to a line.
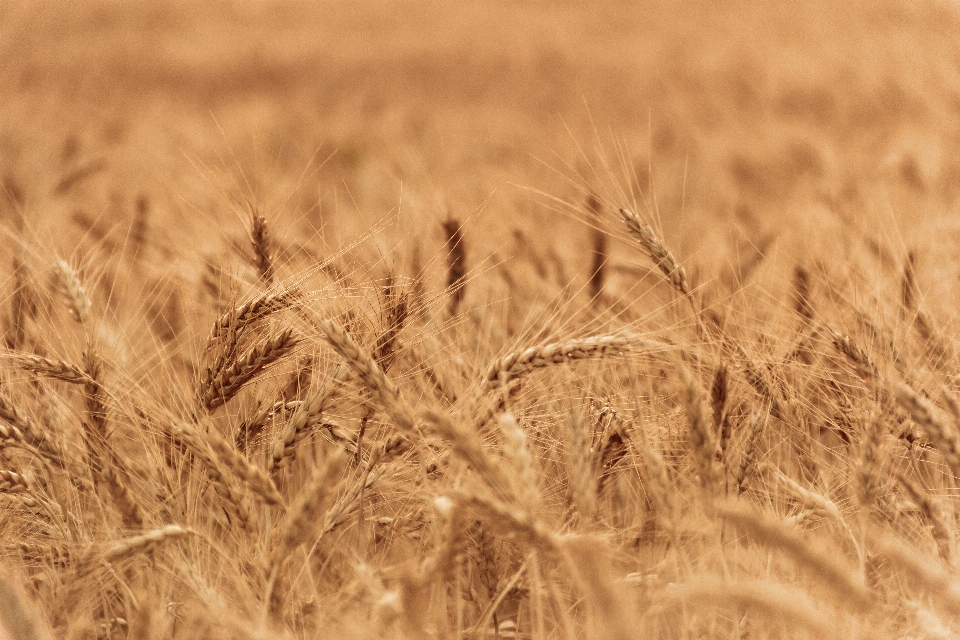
490	319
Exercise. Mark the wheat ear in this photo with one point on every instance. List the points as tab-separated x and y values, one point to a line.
305	515
382	387
654	246
260	242
943	436
129	547
517	363
456	263
56	369
250	312
221	388
600	241
705	447
283	449
78	302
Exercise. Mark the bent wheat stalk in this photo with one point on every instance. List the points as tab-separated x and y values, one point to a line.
832	571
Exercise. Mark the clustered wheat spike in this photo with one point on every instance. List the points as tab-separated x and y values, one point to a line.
307	413
943	435
77	300
228	382
253	311
18	430
304	519
702	440
855	355
260	242
12	482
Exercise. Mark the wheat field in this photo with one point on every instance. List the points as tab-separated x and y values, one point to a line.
492	319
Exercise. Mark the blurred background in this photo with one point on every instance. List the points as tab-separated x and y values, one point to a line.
789	128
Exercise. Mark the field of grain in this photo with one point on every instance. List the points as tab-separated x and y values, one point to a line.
491	319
